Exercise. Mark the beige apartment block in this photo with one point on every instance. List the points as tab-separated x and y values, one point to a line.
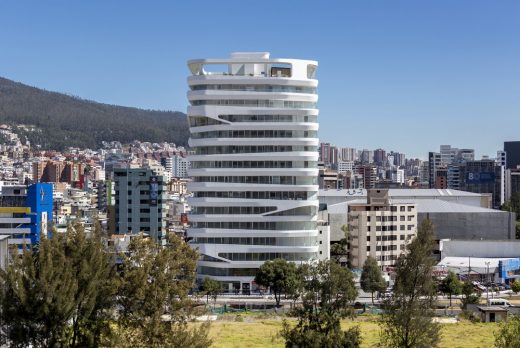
380	228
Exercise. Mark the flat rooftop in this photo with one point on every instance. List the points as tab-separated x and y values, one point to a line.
400	193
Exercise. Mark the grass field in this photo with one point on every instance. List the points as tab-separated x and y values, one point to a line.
264	333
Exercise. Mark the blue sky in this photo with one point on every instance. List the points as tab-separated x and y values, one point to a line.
402	75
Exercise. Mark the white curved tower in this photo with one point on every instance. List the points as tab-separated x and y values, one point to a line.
253	123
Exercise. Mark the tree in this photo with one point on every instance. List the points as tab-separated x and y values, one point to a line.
327	295
468	296
153	296
508	334
338	250
371	278
94	272
515	287
451	285
59	294
212	288
407	317
279	275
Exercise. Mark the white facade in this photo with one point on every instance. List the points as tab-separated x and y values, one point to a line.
254	130
345	166
179	166
398	176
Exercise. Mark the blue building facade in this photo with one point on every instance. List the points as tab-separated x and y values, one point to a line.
39	199
26	213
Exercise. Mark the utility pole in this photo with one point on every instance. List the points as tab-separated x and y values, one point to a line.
487	282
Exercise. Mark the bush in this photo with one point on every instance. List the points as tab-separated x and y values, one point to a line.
470	316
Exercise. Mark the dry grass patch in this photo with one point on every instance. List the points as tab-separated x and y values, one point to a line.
265	333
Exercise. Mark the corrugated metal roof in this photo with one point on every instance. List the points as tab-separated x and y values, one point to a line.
423	206
401	193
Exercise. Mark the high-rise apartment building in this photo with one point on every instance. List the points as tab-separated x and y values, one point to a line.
334	155
367	156
484	176
455	181
369	173
434	162
379	157
348	154
512	150
442	160
254	129
177	165
140	204
325	154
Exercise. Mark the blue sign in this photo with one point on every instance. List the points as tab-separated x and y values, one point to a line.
479	177
154	190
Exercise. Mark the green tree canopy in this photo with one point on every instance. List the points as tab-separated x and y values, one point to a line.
61	294
212	288
279	275
328	292
407	317
468	294
451	285
515	287
371	277
153	297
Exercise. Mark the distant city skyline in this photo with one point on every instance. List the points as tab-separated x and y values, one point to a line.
404	76
424	157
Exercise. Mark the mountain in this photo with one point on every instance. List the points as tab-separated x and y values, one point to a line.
63	120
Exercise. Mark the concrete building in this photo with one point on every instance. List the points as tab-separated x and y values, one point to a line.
325	154
380	228
140	203
328	179
455	181
398	176
369	175
345	166
178	166
443	159
348	154
424	174
512	182
434	163
380	157
253	127
512	150
455	214
105	194
367	156
484	176
441	178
